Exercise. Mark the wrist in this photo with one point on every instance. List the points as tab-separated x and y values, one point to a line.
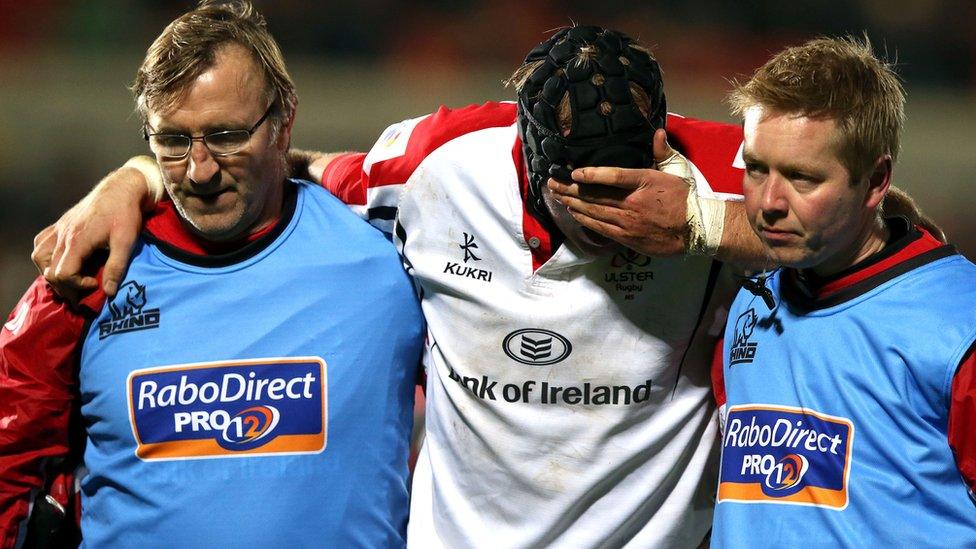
706	223
149	169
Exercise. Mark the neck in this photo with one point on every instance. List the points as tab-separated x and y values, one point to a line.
873	239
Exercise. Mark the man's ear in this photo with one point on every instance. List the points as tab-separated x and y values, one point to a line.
284	132
879	180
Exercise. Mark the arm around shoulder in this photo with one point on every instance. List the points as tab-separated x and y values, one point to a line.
109	217
740	246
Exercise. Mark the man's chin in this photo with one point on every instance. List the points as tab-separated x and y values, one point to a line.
216	227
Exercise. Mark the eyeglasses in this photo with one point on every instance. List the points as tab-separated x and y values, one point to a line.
172	147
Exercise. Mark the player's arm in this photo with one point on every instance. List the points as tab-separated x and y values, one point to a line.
898	202
38	381
110	217
310	165
658	212
962	419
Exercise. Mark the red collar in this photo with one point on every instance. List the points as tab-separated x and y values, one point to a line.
908	248
532	230
165	224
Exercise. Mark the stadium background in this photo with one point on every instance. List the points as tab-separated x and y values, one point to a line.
66	115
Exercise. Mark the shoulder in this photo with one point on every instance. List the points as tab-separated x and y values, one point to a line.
714	147
404	145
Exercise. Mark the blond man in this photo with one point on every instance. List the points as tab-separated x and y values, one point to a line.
848	394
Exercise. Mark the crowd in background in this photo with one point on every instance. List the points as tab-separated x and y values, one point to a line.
65	115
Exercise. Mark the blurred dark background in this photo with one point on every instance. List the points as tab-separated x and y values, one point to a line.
66	116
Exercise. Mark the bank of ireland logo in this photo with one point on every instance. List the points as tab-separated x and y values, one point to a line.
536	347
780	454
742	350
229	408
128	311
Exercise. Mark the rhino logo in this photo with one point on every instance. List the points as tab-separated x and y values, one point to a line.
129	301
744	326
128	312
742	351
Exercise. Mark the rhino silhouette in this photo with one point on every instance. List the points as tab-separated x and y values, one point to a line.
744	326
129	301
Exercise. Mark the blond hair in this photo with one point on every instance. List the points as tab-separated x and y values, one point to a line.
833	78
188	46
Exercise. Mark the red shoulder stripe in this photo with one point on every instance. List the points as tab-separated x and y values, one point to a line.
435	130
344	178
712	146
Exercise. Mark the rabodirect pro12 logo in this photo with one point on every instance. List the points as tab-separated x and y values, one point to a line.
229	408
779	454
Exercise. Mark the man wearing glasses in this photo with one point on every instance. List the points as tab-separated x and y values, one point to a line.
231	393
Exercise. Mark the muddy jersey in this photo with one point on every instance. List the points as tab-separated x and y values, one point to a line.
568	396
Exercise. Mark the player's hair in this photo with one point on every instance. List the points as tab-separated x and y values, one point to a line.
839	79
563	110
188	46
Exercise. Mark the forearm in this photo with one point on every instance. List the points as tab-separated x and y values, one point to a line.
309	164
740	245
142	174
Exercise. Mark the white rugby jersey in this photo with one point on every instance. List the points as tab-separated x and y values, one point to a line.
568	399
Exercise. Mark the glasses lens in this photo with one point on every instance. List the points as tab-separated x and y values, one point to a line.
227	142
169	146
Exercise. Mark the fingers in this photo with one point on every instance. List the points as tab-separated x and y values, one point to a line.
44	244
596	194
599	212
662	150
608	230
56	254
120	249
624	178
67	269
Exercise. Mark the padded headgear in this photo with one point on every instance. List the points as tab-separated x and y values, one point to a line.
596	67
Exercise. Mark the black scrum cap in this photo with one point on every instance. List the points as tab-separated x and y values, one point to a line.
596	67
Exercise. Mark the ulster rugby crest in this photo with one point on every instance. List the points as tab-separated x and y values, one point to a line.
628	273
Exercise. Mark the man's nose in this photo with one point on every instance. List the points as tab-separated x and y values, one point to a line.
202	165
774	198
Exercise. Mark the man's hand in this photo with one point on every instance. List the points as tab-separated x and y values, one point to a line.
109	217
309	165
898	202
643	209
